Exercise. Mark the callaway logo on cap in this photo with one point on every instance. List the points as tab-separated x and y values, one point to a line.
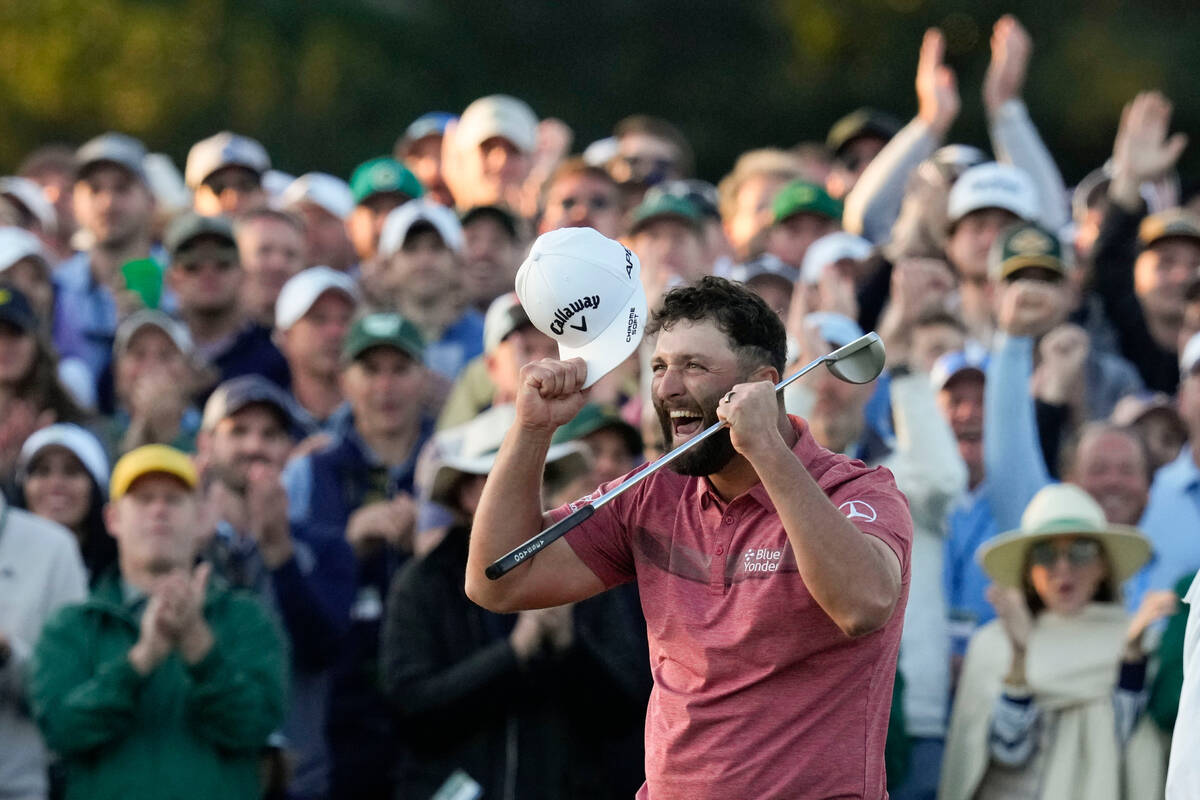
584	290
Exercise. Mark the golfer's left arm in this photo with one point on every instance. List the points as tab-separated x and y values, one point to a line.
855	577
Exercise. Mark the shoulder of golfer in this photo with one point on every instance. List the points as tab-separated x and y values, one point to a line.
550	394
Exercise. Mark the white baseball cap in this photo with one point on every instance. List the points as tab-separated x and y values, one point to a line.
29	195
499	115
17	244
80	442
153	318
836	329
830	249
401	220
993	185
321	189
584	290
503	316
1190	357
304	288
222	150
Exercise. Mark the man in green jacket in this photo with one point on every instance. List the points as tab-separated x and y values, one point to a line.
161	684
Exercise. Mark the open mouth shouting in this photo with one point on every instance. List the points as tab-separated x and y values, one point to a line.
685	423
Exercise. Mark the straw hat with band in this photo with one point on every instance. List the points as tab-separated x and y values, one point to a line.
470	449
1063	509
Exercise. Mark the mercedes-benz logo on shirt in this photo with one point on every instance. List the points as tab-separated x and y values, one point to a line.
857	509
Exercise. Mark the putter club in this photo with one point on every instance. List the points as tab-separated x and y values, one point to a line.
860	361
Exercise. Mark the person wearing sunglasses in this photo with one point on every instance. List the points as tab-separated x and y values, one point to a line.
581	196
1050	699
207	277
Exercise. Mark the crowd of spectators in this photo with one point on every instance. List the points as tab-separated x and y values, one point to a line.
300	384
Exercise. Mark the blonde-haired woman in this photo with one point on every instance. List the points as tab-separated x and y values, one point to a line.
1049	703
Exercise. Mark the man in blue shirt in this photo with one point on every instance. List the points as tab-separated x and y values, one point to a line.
115	208
1172	519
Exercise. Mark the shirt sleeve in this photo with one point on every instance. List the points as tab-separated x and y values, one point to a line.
1013	735
603	541
872	502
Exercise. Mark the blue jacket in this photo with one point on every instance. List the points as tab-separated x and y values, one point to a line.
324	488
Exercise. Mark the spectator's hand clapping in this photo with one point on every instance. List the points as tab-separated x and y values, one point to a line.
1142	150
938	102
387	522
267	515
1013	613
155	636
1005	77
1155	606
1028	307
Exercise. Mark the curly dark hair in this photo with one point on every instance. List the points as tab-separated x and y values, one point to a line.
755	331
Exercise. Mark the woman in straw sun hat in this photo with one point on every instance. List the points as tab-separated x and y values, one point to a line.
1049	702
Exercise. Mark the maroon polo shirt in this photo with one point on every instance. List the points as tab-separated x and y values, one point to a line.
757	693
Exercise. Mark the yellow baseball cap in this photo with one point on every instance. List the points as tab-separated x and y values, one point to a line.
149	459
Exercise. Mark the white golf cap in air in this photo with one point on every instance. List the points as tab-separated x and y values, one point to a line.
584	290
993	185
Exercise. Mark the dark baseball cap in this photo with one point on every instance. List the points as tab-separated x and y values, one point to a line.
1170	224
859	123
238	393
16	311
595	417
1023	246
501	216
804	197
383	329
701	194
381	175
189	226
665	206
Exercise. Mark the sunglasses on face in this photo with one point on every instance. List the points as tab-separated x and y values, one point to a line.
1078	553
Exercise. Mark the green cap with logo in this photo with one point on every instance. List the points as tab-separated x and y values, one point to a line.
595	417
384	174
1174	223
383	329
803	197
1023	246
665	206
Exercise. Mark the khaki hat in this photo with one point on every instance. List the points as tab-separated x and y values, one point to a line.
1063	509
1170	224
471	448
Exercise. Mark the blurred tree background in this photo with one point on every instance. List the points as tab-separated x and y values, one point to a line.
328	84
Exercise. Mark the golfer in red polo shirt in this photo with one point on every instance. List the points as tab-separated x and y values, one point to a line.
773	573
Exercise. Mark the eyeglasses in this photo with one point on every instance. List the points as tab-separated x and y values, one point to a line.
1078	553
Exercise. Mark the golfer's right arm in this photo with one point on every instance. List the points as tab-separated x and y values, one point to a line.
510	510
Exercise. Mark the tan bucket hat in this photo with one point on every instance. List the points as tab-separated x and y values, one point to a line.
1063	509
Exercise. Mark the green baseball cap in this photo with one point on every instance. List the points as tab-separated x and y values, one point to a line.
381	175
665	206
383	329
802	197
595	417
1023	246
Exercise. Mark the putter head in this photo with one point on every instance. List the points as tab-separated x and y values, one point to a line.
861	361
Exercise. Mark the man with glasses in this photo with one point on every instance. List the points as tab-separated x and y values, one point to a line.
580	195
225	173
207	276
115	208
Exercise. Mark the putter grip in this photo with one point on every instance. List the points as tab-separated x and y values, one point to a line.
503	565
